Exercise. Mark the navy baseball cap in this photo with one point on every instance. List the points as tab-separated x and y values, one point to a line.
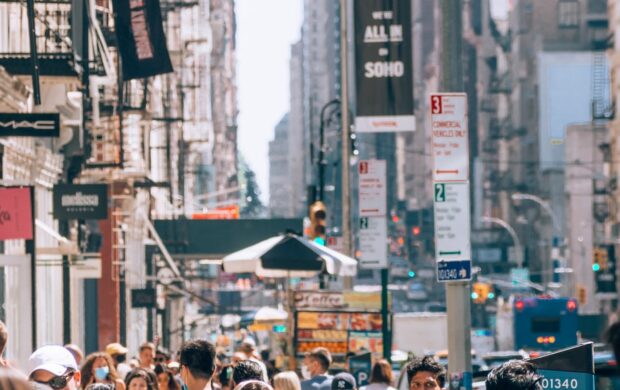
344	381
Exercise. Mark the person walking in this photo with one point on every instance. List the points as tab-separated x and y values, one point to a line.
381	377
247	370
147	355
344	381
141	379
514	375
118	353
315	370
425	374
54	366
98	367
197	364
287	380
165	378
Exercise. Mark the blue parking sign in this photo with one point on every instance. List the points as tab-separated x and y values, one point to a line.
448	271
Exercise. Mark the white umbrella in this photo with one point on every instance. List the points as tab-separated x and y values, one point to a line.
289	256
269	314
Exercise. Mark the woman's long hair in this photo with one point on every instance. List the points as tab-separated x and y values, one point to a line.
87	368
148	375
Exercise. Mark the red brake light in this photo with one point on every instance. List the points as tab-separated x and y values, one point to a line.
571	305
519	305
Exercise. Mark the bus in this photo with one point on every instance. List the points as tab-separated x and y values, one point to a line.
544	323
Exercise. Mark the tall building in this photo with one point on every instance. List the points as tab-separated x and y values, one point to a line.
549	39
161	144
280	186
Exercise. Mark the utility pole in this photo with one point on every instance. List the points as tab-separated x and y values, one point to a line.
344	109
457	293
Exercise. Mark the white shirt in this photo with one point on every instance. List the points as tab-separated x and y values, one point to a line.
377	386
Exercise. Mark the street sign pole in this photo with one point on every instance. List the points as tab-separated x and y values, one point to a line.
373	230
457	293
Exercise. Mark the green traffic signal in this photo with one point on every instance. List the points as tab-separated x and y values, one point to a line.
474	295
596	267
411	274
319	240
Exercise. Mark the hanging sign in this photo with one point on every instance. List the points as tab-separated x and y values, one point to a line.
383	63
141	39
29	125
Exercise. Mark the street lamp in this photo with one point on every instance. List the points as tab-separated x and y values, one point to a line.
322	162
513	234
556	227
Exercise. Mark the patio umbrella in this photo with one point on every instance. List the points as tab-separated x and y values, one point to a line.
288	256
264	315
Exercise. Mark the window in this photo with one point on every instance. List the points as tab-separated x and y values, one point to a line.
545	324
568	13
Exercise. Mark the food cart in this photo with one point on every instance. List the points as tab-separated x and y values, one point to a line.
342	322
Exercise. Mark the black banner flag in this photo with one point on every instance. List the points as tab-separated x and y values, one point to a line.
383	62
141	39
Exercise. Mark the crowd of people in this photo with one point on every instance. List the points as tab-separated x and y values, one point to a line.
197	366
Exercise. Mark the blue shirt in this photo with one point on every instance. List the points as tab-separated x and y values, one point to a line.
319	382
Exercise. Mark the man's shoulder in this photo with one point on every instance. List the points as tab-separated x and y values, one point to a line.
321	382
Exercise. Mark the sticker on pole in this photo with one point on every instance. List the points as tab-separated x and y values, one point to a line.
449	271
452	222
450	137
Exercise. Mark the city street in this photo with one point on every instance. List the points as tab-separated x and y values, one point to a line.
309	194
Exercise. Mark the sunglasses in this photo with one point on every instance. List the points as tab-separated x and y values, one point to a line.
59	382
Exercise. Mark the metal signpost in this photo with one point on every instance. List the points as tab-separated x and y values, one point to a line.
450	142
373	232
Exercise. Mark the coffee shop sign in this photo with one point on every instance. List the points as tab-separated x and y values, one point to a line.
319	300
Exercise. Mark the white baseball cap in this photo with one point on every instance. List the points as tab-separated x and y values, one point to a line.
53	359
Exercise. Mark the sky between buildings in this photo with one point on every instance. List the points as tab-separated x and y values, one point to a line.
265	31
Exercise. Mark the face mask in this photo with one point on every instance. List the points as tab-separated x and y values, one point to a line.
101	373
305	373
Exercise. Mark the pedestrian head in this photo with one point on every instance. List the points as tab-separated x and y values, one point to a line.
141	379
248	347
98	367
382	372
55	367
13	380
317	362
174	367
117	352
197	363
165	378
287	380
100	386
514	375
238	357
147	355
162	356
247	370
253	385
344	381
425	374
613	337
77	353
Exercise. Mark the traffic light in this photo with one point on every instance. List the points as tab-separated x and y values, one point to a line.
599	259
318	224
481	292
